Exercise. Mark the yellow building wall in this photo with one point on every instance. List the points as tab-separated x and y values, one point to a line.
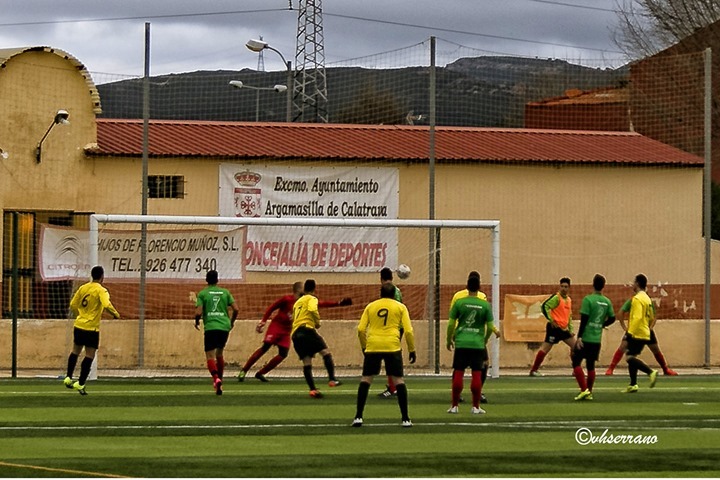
33	87
172	346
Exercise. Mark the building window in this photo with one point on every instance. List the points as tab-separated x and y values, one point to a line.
166	186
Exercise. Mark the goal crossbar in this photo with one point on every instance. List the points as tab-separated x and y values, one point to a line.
493	225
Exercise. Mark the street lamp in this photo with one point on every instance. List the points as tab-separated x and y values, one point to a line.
258	46
276	88
61	118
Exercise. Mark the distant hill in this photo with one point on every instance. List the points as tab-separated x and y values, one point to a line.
479	91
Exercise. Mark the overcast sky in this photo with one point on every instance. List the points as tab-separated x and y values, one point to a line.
108	35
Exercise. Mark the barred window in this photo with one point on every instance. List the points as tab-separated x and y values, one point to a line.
166	186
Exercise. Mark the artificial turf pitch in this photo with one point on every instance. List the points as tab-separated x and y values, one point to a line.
180	428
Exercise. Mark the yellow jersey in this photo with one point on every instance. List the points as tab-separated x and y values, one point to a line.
89	302
305	313
641	317
463	294
380	324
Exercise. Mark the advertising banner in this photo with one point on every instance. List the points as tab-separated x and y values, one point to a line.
313	192
171	254
523	320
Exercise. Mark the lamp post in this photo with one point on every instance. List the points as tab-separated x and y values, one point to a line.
276	88
258	46
61	118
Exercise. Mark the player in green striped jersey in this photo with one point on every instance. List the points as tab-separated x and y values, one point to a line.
469	326
596	313
212	308
386	276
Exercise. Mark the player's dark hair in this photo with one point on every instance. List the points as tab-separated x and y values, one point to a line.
598	282
386	274
641	280
387	290
211	277
473	274
97	272
473	284
309	286
565	280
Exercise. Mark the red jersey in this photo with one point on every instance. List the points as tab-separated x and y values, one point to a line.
282	321
284	307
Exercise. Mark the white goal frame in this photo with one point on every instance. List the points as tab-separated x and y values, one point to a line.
493	225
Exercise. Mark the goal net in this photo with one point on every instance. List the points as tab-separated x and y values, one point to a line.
156	265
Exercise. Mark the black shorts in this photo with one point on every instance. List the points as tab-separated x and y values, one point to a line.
473	358
589	351
308	342
652	341
393	363
554	335
86	338
635	345
215	339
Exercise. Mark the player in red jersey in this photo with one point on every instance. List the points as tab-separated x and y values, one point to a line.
278	333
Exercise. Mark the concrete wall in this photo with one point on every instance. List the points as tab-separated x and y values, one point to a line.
175	344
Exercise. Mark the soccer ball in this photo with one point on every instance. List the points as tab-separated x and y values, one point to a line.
403	271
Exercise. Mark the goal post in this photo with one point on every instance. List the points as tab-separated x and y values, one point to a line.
466	245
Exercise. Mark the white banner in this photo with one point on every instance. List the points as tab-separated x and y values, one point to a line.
171	255
313	192
64	253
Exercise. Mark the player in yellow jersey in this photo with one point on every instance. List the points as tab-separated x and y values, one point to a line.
640	322
307	341
89	302
379	335
464	293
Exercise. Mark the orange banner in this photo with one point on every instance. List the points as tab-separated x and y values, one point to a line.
523	320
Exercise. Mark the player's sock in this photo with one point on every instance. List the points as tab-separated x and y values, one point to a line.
660	358
402	397
363	390
476	384
253	358
72	361
580	378
220	362
85	369
307	371
274	362
538	360
391	385
212	368
590	379
457	386
329	366
616	358
483	372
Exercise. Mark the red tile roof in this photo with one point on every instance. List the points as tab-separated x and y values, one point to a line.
600	96
120	137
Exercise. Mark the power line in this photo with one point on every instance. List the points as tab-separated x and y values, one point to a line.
463	32
573	5
142	17
350	17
